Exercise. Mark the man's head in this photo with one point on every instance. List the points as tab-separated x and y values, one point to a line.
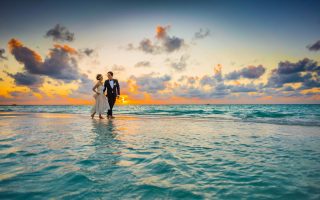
110	75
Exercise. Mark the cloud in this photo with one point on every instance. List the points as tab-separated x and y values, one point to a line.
218	85
305	71
235	75
151	84
87	51
250	72
2	57
129	47
147	46
205	87
305	64
25	78
310	81
314	47
277	80
26	56
213	87
181	64
214	79
244	88
117	68
85	86
288	88
60	63
219	90
208	80
143	64
17	93
66	48
190	80
201	34
60	33
189	92
172	44
163	43
161	32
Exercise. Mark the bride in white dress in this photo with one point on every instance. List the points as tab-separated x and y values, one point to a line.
101	104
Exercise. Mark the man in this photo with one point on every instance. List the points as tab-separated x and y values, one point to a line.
113	92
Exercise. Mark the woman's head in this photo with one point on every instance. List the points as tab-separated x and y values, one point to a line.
99	77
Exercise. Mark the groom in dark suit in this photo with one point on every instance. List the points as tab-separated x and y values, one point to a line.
113	92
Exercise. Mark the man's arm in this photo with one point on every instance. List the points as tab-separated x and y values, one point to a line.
105	86
118	87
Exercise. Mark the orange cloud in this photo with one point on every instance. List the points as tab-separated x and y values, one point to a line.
236	82
66	48
14	43
217	69
161	31
133	88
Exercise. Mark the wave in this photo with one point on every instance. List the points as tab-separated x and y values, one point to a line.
305	115
268	114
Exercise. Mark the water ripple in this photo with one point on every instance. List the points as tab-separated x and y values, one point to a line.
146	158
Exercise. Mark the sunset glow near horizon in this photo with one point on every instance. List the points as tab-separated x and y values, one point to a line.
161	52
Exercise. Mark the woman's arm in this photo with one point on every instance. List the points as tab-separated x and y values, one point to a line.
94	88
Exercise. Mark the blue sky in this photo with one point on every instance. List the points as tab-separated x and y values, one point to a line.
241	34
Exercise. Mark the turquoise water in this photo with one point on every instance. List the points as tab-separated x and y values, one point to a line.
159	152
290	114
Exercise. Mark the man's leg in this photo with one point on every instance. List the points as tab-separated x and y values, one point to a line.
111	104
114	100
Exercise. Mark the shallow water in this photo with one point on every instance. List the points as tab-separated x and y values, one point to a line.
65	156
290	114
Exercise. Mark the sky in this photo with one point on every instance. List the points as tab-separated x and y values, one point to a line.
162	52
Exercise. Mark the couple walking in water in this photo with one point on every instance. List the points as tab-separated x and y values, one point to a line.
105	95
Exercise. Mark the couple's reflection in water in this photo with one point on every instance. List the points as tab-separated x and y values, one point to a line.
107	146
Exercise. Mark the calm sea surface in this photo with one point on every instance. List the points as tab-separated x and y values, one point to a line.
161	152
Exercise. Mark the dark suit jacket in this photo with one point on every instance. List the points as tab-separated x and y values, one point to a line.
112	92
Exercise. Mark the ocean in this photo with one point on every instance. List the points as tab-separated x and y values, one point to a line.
290	114
161	152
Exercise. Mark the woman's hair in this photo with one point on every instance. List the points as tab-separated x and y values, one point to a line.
98	76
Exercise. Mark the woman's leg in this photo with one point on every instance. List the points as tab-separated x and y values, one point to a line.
92	115
100	116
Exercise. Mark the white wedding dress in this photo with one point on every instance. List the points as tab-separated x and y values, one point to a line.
101	104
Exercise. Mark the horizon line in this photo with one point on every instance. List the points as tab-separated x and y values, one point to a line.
165	104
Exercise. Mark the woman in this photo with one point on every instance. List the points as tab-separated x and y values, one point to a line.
101	104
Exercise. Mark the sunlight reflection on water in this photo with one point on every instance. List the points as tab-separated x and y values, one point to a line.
49	155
